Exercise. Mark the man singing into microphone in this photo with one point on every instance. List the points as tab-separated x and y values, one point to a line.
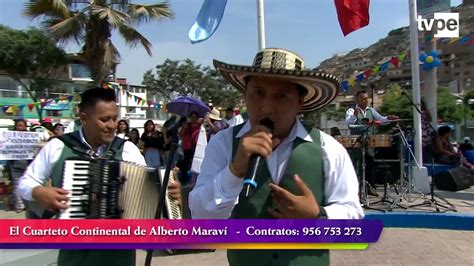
363	114
304	172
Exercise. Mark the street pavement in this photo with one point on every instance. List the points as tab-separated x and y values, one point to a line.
396	246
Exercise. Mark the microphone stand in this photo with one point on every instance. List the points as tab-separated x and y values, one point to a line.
164	184
432	202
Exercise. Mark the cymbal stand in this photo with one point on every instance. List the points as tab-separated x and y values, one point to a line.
406	187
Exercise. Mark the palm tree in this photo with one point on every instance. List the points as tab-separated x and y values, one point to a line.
90	24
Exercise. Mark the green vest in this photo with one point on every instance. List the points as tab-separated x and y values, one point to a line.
360	116
88	257
306	161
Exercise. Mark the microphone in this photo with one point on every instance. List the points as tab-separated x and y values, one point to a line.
255	160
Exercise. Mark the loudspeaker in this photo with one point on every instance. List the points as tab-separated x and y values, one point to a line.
454	179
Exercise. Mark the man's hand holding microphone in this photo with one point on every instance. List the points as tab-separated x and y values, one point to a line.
257	145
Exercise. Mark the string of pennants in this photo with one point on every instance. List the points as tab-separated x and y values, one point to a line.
395	61
13	108
139	100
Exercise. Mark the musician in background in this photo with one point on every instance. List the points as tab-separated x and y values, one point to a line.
305	173
363	114
98	114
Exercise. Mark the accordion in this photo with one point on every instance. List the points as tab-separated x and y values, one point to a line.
108	189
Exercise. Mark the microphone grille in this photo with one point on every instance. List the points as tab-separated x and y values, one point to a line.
267	122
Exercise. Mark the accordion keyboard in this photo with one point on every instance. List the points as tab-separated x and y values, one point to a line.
172	205
76	180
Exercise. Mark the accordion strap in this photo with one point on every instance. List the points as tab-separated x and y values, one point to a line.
115	148
75	144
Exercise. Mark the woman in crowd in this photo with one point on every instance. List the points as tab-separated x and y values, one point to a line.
189	134
134	137
122	129
445	152
152	144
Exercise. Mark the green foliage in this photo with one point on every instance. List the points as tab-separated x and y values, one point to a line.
448	110
30	54
187	78
90	24
395	103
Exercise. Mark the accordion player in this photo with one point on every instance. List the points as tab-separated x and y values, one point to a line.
103	189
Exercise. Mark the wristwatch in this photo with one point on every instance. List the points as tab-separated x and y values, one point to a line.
322	213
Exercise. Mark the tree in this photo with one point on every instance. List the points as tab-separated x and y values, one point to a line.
173	76
218	91
90	24
31	55
186	78
395	103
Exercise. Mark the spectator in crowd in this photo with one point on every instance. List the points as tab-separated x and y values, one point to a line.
134	137
122	129
213	123
445	152
58	129
152	144
466	145
189	134
16	168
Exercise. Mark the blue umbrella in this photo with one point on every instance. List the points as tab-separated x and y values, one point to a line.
183	106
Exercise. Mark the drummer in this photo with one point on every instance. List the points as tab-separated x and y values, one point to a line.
363	114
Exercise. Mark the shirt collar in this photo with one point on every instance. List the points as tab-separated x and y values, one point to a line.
297	131
100	149
366	108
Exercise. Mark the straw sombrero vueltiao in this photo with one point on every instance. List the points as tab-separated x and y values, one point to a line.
282	64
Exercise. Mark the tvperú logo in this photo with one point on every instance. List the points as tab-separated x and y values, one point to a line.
446	25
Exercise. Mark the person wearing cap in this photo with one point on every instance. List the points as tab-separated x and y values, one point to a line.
305	172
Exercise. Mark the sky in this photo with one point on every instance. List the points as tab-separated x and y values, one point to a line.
307	27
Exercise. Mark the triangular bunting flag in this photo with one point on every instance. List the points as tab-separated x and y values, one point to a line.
20	107
375	69
5	108
30	106
352	81
402	56
394	61
69	98
384	66
367	73
360	77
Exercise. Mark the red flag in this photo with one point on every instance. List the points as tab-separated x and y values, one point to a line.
352	14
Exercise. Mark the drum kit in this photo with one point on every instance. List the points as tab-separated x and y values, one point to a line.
364	142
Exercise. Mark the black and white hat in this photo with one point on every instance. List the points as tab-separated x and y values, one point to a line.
276	63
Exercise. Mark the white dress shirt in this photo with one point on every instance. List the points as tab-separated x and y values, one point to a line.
39	171
351	118
236	120
217	190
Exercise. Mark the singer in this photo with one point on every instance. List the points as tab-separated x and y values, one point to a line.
363	114
303	172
